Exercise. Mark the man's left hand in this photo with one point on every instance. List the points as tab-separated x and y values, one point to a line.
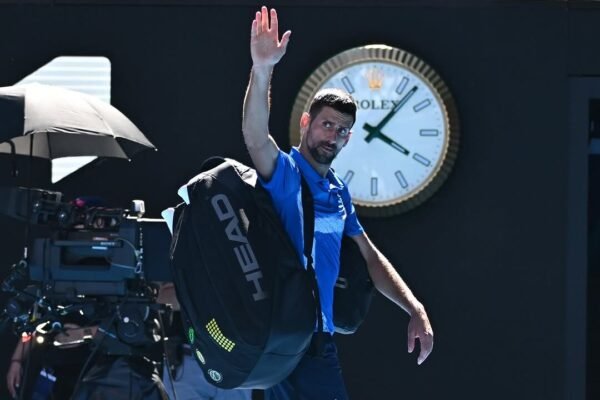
420	327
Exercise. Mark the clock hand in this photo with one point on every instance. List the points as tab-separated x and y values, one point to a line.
374	129
375	133
391	142
397	107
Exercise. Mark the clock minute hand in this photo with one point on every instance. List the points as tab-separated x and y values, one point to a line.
372	129
375	131
397	107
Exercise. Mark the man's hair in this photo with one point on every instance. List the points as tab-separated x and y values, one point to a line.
337	99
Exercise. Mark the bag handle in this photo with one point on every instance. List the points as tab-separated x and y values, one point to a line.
308	209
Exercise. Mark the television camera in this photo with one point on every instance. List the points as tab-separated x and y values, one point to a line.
85	259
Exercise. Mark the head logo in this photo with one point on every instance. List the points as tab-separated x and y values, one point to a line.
242	249
215	375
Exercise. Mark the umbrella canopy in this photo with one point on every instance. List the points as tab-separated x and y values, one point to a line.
64	123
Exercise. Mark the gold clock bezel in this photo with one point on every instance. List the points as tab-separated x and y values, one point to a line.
404	59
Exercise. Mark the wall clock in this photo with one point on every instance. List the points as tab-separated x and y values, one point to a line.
405	138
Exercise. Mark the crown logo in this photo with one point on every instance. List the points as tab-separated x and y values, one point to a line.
375	78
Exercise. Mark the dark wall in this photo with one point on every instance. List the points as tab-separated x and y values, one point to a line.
486	254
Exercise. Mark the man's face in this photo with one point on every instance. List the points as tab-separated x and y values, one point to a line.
326	134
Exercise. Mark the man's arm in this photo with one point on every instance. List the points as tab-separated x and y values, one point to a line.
387	280
15	369
266	51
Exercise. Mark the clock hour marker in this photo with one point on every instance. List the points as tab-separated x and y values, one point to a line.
419	158
429	132
348	176
373	186
402	85
401	179
422	105
348	84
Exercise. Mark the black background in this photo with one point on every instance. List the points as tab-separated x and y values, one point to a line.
486	254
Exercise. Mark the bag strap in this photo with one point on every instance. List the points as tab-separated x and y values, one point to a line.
308	209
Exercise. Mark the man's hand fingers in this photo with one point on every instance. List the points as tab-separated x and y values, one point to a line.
264	19
285	39
258	20
423	356
265	46
426	342
426	348
411	342
274	22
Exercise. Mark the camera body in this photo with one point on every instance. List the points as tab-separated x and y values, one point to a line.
99	262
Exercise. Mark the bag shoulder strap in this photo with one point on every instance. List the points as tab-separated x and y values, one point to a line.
308	209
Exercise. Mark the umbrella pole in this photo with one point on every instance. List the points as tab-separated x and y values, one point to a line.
29	185
26	367
13	153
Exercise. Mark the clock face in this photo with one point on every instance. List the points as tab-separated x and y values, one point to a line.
405	137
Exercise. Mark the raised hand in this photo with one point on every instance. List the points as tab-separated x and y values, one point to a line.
265	47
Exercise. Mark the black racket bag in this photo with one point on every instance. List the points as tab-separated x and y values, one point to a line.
246	300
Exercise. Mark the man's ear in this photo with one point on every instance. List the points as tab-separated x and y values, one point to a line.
304	122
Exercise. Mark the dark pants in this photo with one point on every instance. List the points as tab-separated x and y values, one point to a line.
318	376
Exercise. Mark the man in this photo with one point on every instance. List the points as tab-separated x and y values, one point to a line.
325	131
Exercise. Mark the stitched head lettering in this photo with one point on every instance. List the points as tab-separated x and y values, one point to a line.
242	249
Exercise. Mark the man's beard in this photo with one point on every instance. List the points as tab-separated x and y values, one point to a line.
320	155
